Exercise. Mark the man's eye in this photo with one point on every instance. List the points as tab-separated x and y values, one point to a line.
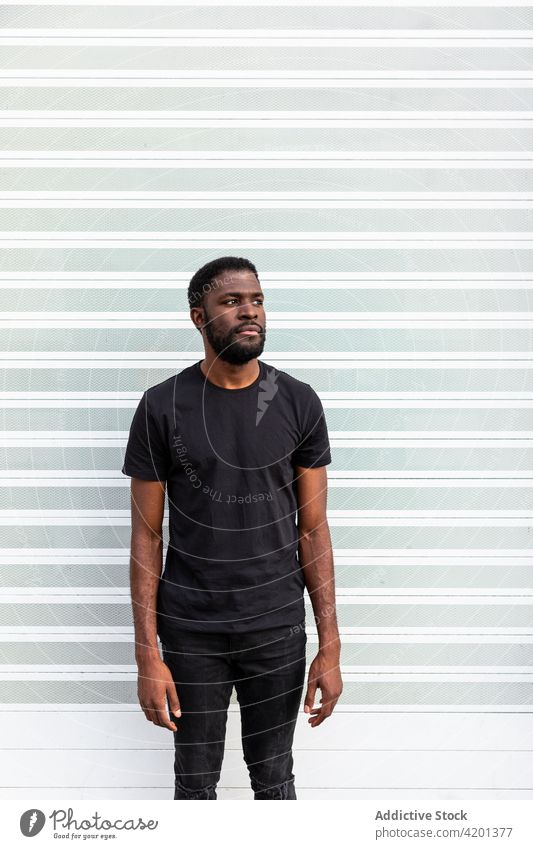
231	300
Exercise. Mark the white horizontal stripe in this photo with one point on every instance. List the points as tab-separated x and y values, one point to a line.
484	480
312	637
311	241
358	556
195	236
435	364
343	631
28	671
354	519
333	515
330	400
341	359
268	38
266	204
427	434
121	436
355	595
415	556
412	481
466	593
283	159
102	708
127	709
451	518
425	439
341	478
212	200
264	79
77	515
336	518
416	403
258	159
311	3
248	33
356	475
274	120
348	677
426	320
254	77
275	318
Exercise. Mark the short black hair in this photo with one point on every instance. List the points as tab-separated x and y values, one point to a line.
200	282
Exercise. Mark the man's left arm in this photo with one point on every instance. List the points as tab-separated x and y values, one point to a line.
316	560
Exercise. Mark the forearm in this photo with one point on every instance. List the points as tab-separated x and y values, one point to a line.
316	560
145	572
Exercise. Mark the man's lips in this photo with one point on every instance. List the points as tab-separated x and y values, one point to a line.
249	330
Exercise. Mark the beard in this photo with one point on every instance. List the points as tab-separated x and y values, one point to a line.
231	348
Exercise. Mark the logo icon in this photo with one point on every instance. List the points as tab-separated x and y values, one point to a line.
32	822
268	388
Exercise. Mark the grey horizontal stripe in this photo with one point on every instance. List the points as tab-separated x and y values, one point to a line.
83	297
369	693
294	38
407	378
270	58
433	100
391	496
368	615
96	460
28	573
257	180
394	340
287	17
365	654
332	223
263	139
448	538
397	420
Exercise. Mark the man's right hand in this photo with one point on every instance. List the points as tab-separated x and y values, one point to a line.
154	685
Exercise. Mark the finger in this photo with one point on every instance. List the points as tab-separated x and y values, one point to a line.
310	696
149	714
317	715
165	719
154	715
173	701
316	720
323	713
161	716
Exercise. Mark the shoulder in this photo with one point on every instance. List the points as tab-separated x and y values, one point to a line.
165	391
297	389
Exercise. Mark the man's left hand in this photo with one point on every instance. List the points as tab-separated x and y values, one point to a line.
324	672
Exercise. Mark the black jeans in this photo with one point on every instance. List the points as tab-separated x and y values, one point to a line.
268	670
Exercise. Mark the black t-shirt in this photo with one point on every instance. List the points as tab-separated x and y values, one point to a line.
228	457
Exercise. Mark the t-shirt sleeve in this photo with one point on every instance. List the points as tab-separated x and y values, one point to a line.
313	449
146	455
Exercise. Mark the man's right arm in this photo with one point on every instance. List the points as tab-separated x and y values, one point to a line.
146	561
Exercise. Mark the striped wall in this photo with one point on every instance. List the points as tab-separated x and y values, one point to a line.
375	163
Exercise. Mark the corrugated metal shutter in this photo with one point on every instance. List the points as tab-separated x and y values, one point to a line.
375	164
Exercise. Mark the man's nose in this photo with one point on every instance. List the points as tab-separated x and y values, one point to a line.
248	312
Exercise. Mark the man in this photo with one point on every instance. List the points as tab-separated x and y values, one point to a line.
242	447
